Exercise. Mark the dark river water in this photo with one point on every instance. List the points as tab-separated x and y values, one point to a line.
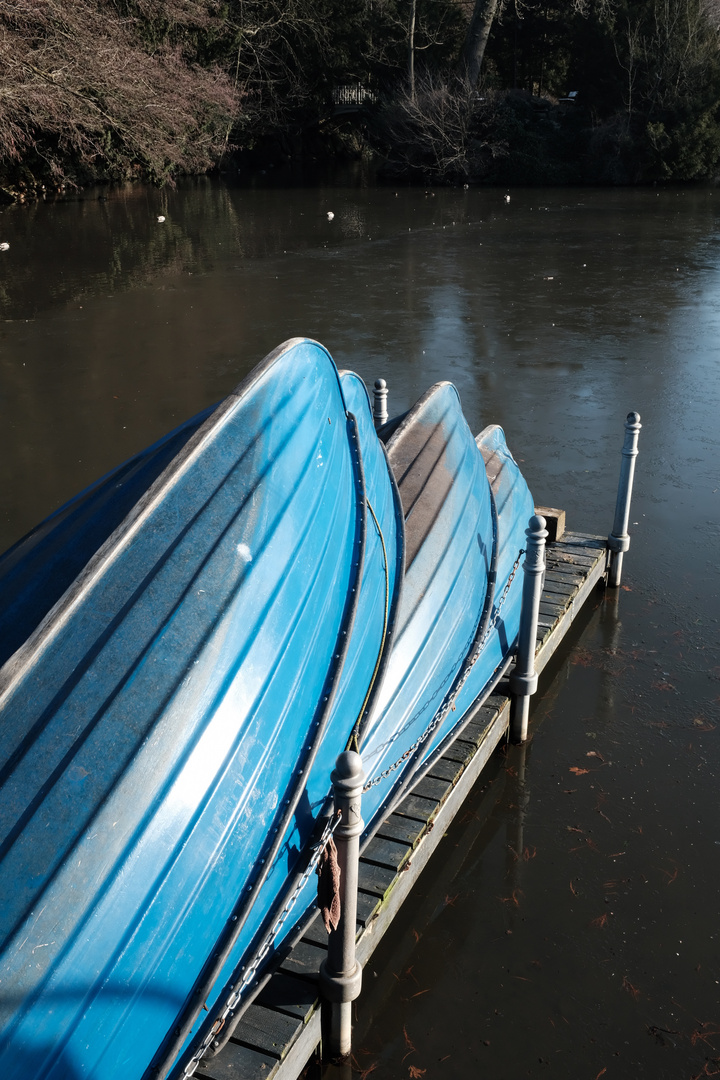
568	924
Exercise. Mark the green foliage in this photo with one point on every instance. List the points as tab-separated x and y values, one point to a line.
647	74
541	143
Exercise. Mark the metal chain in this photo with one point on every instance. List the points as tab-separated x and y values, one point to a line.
250	972
449	702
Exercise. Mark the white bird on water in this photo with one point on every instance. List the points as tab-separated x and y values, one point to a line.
330	215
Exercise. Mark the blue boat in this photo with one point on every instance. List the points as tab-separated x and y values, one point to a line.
186	647
466	508
170	724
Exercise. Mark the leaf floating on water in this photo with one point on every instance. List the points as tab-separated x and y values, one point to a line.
512	899
670	876
595	753
577	771
600	922
415	1072
703	1035
702	724
627	985
583	657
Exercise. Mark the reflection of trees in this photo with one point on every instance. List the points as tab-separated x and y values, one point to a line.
99	246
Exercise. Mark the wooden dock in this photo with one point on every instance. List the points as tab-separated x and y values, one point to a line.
279	1032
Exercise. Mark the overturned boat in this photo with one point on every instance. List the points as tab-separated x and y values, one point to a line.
186	647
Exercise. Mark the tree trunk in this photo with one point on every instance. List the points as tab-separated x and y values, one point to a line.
478	32
411	49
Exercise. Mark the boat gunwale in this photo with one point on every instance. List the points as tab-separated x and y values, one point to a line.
399	572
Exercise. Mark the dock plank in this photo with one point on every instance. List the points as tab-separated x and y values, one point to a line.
316	933
375	880
305	960
388	853
405	829
236	1061
460	752
415	807
432	788
290	995
367	905
266	1030
444	769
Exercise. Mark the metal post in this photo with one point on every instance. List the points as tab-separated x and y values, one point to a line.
619	540
340	973
380	413
524	680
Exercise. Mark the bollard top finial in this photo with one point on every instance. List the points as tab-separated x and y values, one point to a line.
348	765
633	419
537	525
380	384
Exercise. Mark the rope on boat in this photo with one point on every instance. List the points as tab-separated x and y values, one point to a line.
352	743
251	970
449	702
